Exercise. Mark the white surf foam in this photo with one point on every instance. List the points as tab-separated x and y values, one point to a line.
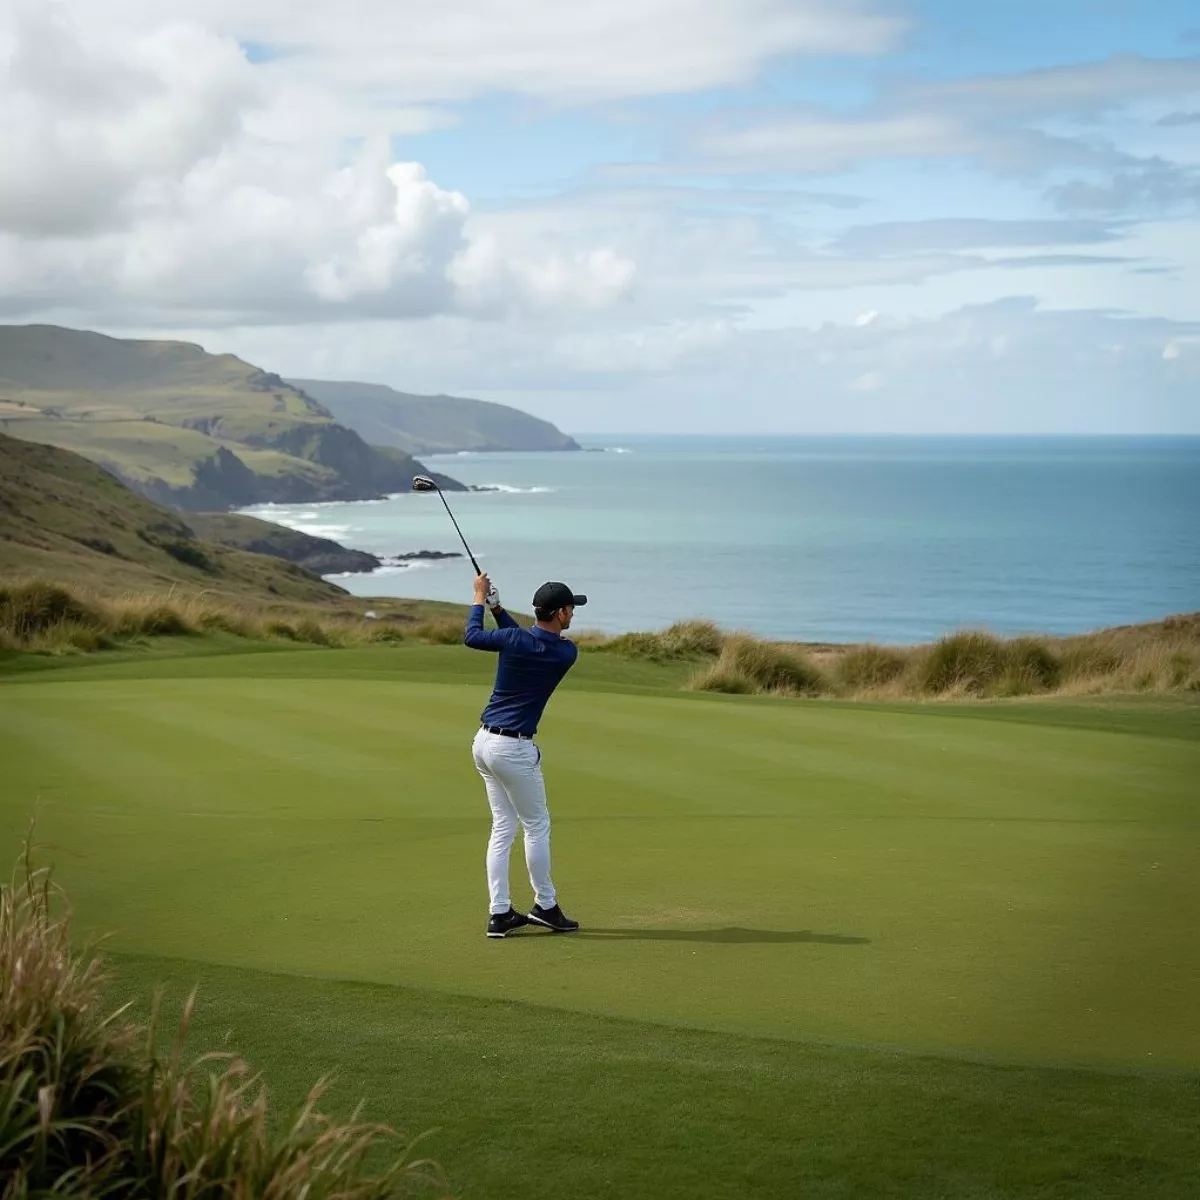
317	529
515	491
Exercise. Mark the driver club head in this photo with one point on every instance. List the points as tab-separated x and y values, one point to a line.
422	483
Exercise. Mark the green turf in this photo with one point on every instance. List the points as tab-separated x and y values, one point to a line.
530	1103
776	896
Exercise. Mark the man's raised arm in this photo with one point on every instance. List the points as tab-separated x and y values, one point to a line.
503	618
476	636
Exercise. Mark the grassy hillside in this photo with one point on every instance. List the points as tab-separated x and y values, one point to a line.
62	517
828	950
187	428
432	424
322	556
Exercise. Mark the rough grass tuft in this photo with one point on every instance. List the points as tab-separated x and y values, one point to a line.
84	638
1181	667
967	663
29	609
716	678
156	619
387	635
440	633
92	1107
219	621
681	641
316	634
1030	666
783	670
66	1072
686	638
634	645
1091	658
865	667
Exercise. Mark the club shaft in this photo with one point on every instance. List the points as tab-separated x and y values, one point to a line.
460	534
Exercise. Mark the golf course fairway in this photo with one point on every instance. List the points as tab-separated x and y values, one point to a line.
827	949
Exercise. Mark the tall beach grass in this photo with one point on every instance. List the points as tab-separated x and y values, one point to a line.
95	1104
41	617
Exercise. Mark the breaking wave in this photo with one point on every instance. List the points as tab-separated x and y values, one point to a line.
316	528
389	568
509	489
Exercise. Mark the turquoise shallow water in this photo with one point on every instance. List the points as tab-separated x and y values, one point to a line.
841	539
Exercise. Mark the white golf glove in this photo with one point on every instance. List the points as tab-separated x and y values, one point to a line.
493	598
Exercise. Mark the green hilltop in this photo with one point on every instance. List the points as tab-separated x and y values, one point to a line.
432	424
186	428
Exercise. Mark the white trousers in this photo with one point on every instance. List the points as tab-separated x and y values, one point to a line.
512	773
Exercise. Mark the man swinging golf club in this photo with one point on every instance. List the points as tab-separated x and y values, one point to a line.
532	664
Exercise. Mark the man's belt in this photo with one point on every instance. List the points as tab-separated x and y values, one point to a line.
512	733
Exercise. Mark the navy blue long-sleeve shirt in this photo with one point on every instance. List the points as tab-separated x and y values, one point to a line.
532	664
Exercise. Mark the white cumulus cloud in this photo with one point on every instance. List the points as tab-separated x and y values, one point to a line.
145	171
90	130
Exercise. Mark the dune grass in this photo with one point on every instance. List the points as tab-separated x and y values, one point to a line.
864	668
679	642
43	618
1160	657
750	665
1164	657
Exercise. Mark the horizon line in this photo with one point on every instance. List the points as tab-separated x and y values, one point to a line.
884	434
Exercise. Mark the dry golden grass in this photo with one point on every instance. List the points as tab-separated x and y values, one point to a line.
776	669
718	678
866	668
42	618
1168	663
683	640
1159	657
439	633
91	1106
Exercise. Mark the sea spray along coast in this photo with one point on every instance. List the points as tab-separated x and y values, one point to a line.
599	602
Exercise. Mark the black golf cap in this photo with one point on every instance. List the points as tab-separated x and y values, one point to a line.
555	596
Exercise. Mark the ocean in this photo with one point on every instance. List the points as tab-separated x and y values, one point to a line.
887	539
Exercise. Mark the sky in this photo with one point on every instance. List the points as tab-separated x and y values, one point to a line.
675	216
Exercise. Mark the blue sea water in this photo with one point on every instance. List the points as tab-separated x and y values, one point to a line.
886	539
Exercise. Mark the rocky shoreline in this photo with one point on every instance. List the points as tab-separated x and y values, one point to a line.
340	560
321	556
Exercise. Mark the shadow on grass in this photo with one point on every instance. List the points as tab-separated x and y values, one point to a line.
731	935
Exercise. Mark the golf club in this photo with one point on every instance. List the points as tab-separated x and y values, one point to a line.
422	483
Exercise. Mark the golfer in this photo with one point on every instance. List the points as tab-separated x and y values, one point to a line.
532	664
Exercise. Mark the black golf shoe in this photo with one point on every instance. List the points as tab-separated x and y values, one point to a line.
552	918
500	924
